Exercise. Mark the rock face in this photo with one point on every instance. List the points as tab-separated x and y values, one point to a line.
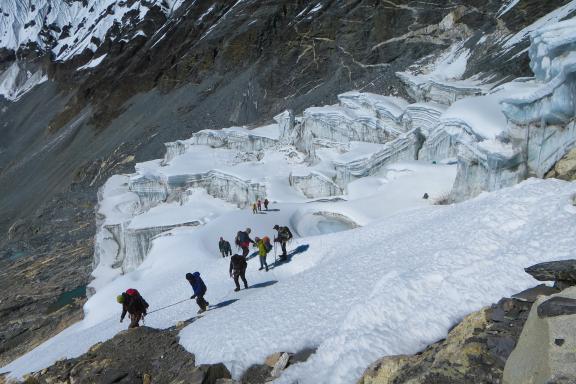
141	355
273	366
562	272
565	168
545	350
475	351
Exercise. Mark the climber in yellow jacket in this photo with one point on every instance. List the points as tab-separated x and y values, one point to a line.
264	247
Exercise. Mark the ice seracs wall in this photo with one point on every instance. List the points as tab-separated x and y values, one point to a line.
497	135
542	109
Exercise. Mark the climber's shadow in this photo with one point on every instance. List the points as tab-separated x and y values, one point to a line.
264	284
223	304
296	251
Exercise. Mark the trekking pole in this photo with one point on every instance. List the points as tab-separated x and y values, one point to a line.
168	306
275	260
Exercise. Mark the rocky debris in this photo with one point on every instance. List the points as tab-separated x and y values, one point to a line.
257	374
475	351
562	272
545	350
141	355
565	168
273	366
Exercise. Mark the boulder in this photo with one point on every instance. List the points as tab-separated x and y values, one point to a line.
257	374
273	359
531	294
563	272
545	350
565	168
280	365
557	306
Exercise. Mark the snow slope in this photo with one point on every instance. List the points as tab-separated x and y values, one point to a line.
356	296
398	273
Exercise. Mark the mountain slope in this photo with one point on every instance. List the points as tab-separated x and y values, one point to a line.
128	81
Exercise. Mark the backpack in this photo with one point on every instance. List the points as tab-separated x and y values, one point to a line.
267	243
285	233
136	302
238	262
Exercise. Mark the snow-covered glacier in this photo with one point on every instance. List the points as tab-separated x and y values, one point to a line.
371	168
324	151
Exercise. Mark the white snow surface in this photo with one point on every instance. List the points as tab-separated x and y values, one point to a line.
481	114
507	6
92	63
22	22
15	81
390	287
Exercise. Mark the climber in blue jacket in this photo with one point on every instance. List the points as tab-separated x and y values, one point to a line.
199	289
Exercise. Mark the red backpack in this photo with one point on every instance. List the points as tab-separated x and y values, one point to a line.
132	292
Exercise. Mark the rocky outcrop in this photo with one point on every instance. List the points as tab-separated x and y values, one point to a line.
563	273
565	168
545	350
141	355
474	351
273	366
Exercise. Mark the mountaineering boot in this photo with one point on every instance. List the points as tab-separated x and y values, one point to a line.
245	286
266	268
261	268
201	310
236	289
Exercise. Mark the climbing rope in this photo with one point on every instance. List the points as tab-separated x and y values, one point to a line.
168	306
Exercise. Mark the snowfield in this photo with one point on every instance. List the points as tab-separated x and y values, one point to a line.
390	287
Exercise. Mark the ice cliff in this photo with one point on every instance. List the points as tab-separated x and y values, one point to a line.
497	136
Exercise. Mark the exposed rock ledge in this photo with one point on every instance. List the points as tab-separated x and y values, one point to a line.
136	356
475	351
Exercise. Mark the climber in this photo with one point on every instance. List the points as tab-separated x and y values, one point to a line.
266	202
259	204
134	305
284	235
254	208
243	240
224	247
425	197
199	289
264	247
238	266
